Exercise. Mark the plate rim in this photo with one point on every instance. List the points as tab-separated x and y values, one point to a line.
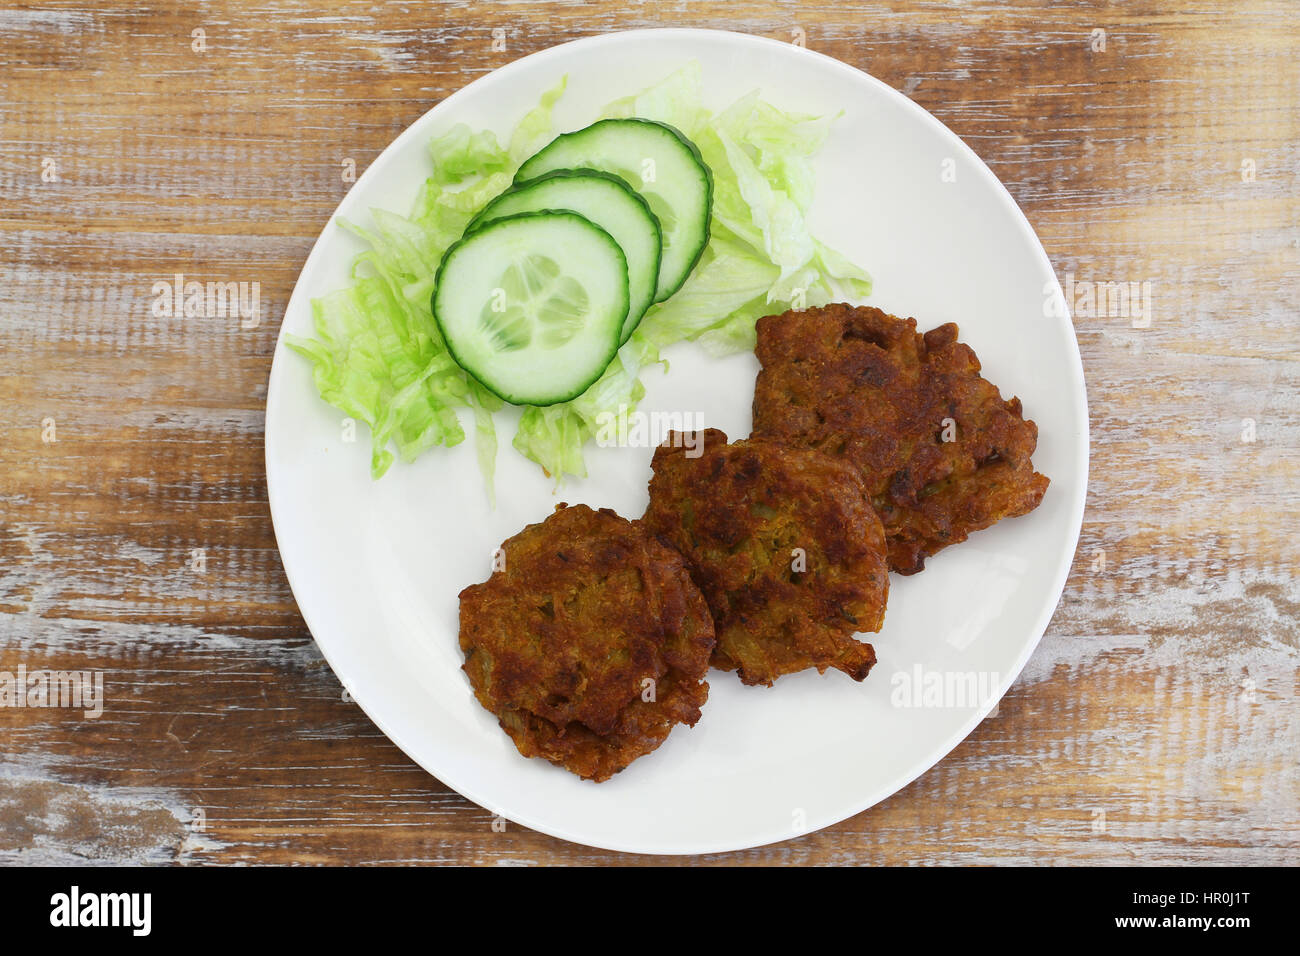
1082	441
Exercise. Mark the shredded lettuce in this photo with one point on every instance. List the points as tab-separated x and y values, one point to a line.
378	356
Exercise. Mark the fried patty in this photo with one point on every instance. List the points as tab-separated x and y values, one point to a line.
941	453
785	546
590	644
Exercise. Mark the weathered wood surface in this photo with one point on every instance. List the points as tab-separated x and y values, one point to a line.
1156	723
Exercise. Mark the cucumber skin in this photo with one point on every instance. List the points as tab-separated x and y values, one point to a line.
583	172
520	179
578	172
451	350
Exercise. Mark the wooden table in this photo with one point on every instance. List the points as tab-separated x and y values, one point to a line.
1156	723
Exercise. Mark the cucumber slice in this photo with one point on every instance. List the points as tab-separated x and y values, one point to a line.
659	163
532	305
608	202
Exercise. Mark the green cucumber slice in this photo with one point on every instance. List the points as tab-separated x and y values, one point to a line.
659	163
608	202
532	305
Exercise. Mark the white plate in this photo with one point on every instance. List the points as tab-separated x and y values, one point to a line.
376	566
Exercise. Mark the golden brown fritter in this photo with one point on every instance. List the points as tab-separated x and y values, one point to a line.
785	546
590	643
941	453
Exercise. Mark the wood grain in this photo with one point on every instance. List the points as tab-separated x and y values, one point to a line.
1158	720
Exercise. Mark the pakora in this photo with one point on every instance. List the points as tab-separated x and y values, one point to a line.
785	546
941	453
589	641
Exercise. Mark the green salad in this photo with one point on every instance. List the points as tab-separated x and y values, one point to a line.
697	241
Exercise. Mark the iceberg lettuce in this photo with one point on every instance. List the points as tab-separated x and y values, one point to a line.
378	356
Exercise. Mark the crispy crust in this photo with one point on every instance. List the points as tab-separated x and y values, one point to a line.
866	386
737	513
560	643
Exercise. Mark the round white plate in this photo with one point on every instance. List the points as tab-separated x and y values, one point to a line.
376	566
